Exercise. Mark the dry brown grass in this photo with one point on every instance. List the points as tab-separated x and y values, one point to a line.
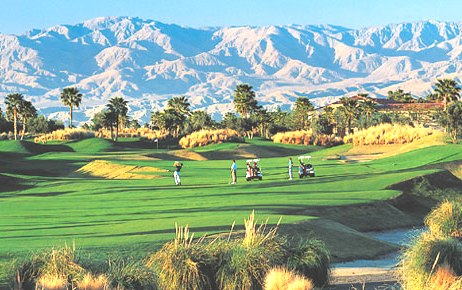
387	150
109	170
65	135
185	154
445	220
206	137
388	134
306	137
91	282
442	279
145	133
283	279
51	282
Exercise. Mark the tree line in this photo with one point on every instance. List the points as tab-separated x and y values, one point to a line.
249	116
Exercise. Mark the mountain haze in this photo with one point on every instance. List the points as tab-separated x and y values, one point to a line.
148	62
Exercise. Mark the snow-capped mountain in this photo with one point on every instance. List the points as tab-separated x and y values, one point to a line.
148	62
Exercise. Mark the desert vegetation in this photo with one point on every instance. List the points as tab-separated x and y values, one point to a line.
65	135
388	134
433	261
259	258
206	137
144	133
306	137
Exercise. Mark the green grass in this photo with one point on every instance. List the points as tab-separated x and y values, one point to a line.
92	145
46	203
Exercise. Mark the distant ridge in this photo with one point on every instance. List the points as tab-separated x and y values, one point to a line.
148	62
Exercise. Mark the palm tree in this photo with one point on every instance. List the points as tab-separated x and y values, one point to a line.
13	105
71	98
302	111
26	111
349	110
179	107
118	106
108	121
447	90
368	107
244	100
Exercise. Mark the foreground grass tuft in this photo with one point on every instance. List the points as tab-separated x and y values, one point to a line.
312	259
434	260
183	263
283	279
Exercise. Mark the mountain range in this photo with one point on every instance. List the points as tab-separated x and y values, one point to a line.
148	62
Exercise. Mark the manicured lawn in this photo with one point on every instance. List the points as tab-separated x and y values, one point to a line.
44	202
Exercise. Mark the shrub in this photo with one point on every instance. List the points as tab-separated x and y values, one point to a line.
60	265
51	282
446	220
92	282
387	134
65	135
183	263
129	274
310	258
424	256
23	273
206	137
244	264
306	137
282	279
144	133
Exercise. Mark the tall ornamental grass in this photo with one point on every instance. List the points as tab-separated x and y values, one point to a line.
246	262
434	259
206	137
385	134
144	133
282	279
65	135
306	137
446	220
312	259
184	263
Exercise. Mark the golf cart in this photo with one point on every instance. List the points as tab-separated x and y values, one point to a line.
253	170
305	169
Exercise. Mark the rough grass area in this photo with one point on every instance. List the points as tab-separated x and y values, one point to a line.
132	216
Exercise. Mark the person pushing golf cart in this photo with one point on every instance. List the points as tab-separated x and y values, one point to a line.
253	170
305	169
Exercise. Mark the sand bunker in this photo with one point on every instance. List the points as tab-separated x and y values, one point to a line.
109	170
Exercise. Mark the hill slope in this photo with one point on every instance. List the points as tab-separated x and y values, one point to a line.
149	61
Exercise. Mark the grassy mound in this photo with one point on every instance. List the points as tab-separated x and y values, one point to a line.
26	147
91	145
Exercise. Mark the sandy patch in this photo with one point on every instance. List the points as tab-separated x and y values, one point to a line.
109	170
186	154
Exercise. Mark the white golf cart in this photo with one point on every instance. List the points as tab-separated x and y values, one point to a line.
305	168
253	170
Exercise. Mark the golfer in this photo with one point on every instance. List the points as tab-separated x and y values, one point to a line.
176	173
234	172
291	164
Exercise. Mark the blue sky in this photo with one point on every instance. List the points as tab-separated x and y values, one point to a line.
17	16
